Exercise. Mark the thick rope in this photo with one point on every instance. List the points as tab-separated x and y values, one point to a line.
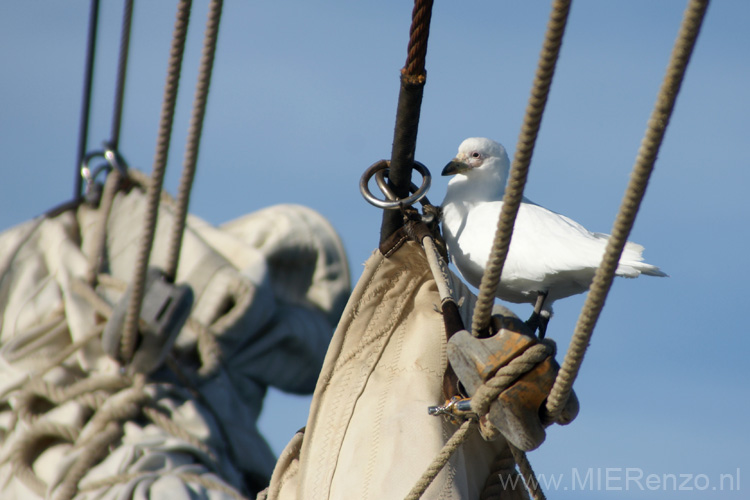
211	484
113	398
88	78
481	400
439	269
194	136
27	447
209	350
165	422
94	450
419	32
132	317
502	483
57	359
527	472
487	393
441	459
111	186
521	160
205	481
644	165
87	392
407	113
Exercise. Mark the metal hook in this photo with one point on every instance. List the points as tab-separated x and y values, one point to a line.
380	170
110	155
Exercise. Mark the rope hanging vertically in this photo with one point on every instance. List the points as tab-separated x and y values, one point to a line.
527	472
521	160
122	66
413	79
644	165
194	136
130	328
88	77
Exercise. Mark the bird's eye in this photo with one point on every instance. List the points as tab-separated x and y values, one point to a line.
475	155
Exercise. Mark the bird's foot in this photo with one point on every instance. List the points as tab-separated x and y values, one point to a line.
533	322
539	318
538	321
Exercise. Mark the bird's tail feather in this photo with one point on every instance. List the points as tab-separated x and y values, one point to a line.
631	263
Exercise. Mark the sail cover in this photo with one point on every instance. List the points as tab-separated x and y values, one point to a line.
268	290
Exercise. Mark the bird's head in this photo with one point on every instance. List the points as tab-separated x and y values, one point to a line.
478	154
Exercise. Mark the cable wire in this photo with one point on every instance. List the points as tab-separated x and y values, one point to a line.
122	67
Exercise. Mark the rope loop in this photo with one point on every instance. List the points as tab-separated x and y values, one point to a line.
488	392
380	170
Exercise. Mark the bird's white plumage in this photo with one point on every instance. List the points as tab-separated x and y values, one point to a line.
548	253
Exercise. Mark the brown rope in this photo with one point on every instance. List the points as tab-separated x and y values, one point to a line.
130	328
413	79
644	165
194	136
418	34
521	160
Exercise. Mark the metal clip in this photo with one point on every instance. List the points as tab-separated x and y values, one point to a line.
456	407
166	307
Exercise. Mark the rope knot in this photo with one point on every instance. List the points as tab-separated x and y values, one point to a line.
491	389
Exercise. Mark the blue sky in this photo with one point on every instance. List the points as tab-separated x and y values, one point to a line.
303	99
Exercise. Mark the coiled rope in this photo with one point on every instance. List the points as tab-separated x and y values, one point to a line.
521	160
644	165
154	188
194	136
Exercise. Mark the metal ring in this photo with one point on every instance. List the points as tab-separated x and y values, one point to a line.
392	203
110	155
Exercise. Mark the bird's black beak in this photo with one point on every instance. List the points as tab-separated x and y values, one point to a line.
455	167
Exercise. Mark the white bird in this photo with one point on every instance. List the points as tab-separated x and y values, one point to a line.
550	256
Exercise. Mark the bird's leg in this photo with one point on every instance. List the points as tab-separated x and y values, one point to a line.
537	320
544	317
